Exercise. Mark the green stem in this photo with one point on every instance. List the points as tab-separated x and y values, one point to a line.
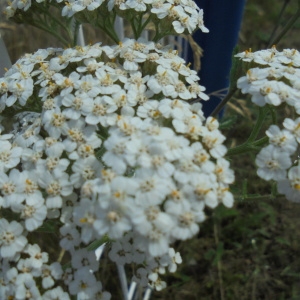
273	114
258	197
287	27
251	144
223	102
159	36
64	42
59	23
145	24
260	142
286	2
109	27
262	112
132	23
247	147
75	32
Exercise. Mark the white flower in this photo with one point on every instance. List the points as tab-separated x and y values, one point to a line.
56	293
140	277
185	21
202	158
146	219
9	155
21	90
157	241
84	217
54	122
152	189
171	260
84	258
120	193
37	257
34	212
85	169
197	90
112	221
282	139
114	157
107	81
132	58
56	186
11	188
224	196
293	126
202	189
76	105
291	187
163	81
11	239
27	287
186	226
49	273
173	108
84	284
121	253
185	170
100	112
70	236
222	171
89	5
272	163
149	109
157	283
213	141
255	74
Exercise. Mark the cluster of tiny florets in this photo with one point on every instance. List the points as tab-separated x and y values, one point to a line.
274	80
171	16
113	149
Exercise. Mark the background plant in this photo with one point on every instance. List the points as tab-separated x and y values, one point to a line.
258	221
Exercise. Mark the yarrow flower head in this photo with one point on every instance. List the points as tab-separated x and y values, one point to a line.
118	152
274	81
169	18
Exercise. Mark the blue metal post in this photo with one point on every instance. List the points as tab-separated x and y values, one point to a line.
223	19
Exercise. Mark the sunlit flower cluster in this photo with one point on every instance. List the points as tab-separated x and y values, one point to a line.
111	148
274	80
167	16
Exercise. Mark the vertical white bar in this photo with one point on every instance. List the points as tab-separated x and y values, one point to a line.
99	251
123	281
119	27
80	37
132	289
145	35
147	294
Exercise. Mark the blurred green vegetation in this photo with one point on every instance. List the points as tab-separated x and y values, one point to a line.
248	252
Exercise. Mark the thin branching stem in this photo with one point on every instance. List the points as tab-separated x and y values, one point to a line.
287	27
219	263
223	102
284	6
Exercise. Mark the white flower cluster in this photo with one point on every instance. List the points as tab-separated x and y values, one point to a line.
184	16
113	149
275	80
